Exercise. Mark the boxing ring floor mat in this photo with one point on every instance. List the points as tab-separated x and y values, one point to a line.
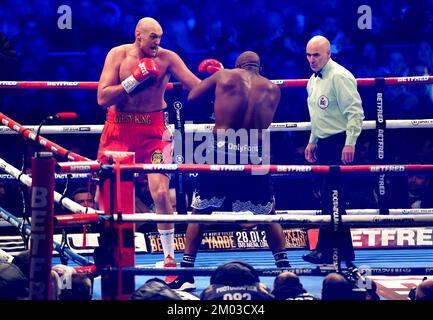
389	287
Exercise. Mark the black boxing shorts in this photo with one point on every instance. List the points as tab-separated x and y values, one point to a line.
234	191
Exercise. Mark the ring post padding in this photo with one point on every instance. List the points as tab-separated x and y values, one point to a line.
179	138
117	239
42	226
380	143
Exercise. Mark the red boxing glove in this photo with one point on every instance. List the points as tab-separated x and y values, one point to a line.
210	66
145	69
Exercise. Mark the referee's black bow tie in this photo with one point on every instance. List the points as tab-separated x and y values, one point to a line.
318	74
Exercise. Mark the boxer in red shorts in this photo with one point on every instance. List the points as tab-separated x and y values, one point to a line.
132	87
146	134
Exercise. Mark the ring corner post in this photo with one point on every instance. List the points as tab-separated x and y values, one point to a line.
117	238
41	244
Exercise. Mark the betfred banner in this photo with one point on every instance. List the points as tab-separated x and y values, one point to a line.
392	238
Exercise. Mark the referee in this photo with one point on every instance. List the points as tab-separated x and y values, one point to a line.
336	114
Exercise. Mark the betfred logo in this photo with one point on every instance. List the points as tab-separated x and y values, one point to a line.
392	238
414	79
227	168
62	84
387	168
80	168
294	168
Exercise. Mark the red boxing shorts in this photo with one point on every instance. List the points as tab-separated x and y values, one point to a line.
146	134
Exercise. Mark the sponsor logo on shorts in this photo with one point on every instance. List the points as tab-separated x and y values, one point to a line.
157	157
133	118
323	102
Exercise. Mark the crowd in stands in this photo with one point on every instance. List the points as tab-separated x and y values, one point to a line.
398	44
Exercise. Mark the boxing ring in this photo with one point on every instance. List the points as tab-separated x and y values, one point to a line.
119	217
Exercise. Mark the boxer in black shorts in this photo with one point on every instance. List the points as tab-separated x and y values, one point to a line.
244	106
234	191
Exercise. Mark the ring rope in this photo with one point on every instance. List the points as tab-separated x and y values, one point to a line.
292	220
94	166
55	148
208	127
27	180
71	220
283	83
14	221
57	176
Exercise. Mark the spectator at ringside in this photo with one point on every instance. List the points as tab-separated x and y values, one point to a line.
336	287
424	291
236	280
288	286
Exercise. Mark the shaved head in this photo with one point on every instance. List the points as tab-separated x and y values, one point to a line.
320	42
248	60
148	33
318	52
288	279
148	24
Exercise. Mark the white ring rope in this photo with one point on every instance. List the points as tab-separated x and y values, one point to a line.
293	220
208	127
27	180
